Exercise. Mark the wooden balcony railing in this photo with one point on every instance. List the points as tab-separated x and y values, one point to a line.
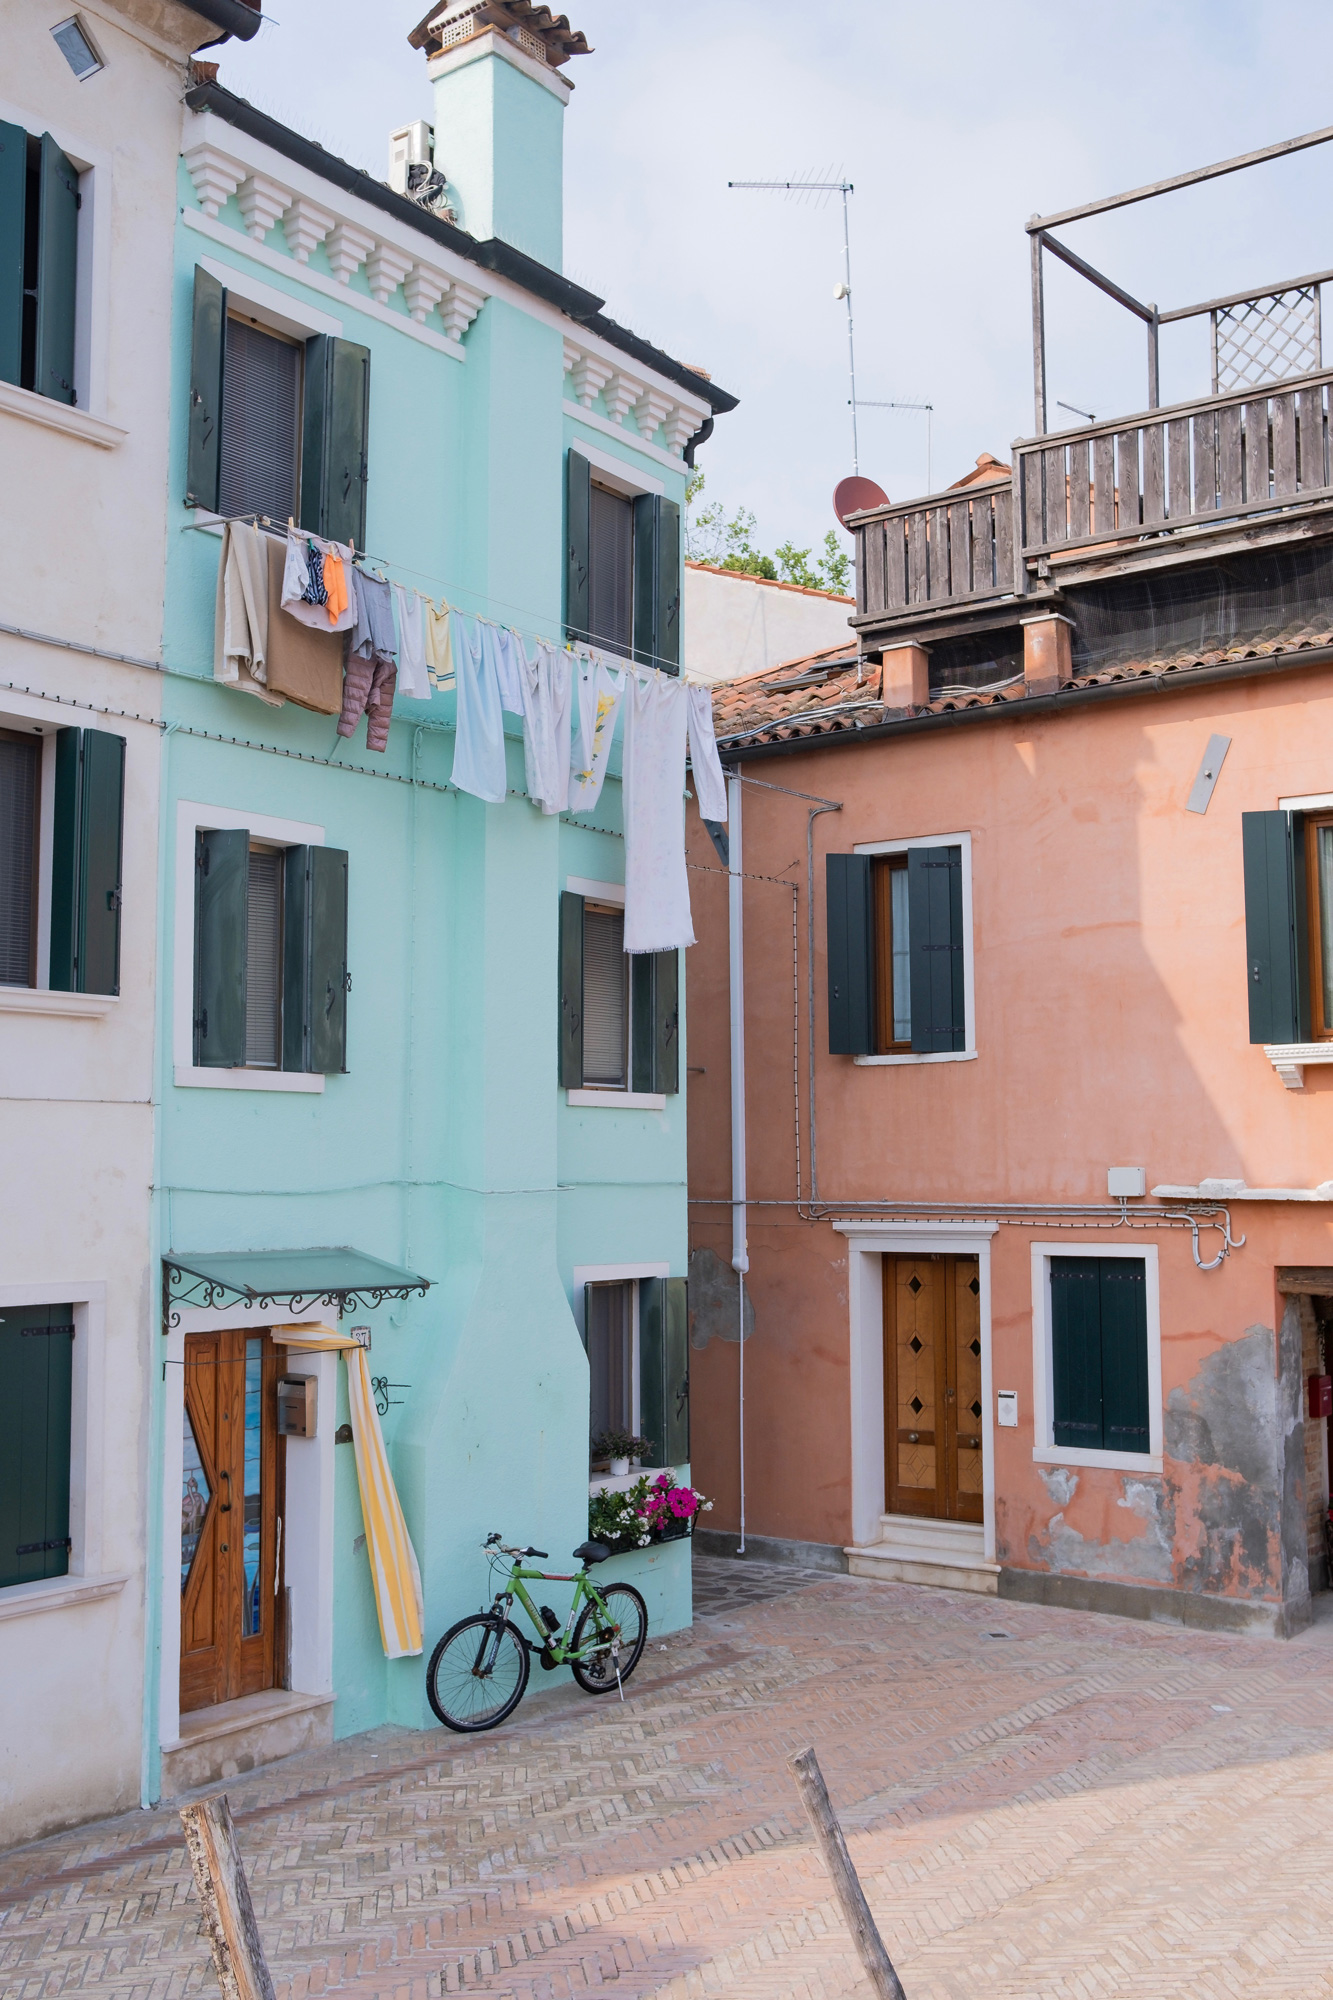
932	554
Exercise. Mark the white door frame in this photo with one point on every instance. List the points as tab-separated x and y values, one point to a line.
868	1241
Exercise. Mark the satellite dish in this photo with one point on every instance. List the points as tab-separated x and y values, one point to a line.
850	496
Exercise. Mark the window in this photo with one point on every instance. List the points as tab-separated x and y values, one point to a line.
619	1014
623	575
270	955
1099	1353
1319	885
898	951
277	426
83	774
36	1367
636	1331
39	236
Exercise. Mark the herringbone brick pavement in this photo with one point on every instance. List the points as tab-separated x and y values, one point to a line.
1043	1805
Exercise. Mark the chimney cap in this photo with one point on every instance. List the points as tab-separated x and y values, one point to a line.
459	20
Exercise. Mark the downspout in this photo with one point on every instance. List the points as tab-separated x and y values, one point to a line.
701	436
815	811
740	1259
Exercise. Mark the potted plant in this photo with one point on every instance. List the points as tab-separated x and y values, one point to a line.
651	1511
620	1447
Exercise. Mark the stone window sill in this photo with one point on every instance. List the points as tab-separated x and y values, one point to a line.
616	1100
55	416
1290	1059
1111	1461
40	1000
56	1593
248	1079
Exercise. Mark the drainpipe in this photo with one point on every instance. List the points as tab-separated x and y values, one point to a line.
740	1259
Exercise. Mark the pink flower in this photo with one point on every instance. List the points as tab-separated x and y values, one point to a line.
683	1503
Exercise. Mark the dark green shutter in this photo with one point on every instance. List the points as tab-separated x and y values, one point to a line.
1124	1322
645	579
1076	1351
221	908
1273	970
657	582
57	272
643	1020
571	990
336	439
851	957
206	345
578	540
86	861
13	209
36	1372
314	960
935	933
666	1022
676	1352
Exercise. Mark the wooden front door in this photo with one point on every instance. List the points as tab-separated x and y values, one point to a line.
231	1507
932	1387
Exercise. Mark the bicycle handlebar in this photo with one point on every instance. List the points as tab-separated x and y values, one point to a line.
494	1542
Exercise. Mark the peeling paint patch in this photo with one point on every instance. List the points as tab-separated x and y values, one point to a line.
1060	1482
1145	1558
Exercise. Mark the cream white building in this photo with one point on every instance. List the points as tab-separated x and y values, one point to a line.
737	624
90	122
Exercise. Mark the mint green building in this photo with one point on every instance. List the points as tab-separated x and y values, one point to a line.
365	1115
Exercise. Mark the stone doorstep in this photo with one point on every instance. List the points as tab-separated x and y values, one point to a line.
239	1735
948	1555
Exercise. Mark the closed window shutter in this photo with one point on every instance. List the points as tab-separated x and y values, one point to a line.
1076	1351
666	1022
1274	982
578	534
935	926
611	582
261	399
604	998
571	989
221	906
609	1338
645	579
643	1025
86	861
666	635
57	272
336	433
314	1013
263	961
13	204
36	1372
20	787
1124	1324
653	1370
851	981
205	435
676	1357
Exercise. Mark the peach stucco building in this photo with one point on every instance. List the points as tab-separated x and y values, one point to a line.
1040	1251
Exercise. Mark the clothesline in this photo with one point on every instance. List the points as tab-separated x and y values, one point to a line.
265	524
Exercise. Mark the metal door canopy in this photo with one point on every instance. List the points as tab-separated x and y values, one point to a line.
299	1279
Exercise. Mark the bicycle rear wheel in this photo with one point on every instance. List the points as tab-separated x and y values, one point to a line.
477	1673
625	1619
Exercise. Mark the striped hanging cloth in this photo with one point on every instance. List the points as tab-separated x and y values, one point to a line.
393	1562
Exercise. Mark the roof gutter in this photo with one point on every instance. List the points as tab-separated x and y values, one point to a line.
232	16
1037	704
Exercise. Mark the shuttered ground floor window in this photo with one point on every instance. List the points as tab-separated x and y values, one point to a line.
36	1375
1099	1353
636	1332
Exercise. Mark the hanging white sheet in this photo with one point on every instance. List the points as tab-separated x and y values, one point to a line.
657	890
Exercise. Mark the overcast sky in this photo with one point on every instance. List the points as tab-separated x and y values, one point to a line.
955	123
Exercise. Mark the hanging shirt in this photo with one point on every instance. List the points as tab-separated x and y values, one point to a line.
597	693
510	660
296	579
314	592
548	688
373	635
439	644
479	745
241	641
413	679
657	890
710	785
335	585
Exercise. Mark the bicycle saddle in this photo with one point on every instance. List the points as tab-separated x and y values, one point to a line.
591	1552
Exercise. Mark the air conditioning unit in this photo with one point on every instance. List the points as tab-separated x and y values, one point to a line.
410	146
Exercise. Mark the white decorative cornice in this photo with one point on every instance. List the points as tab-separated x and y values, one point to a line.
386	267
262	202
681	424
215	174
461	308
349	248
653	407
590	374
620	394
305	226
423	288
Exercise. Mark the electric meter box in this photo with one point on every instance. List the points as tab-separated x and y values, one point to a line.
297	1405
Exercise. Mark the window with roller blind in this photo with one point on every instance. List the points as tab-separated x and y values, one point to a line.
623	568
619	1012
260	461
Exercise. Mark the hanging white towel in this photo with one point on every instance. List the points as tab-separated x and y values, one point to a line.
597	692
413	679
510	660
241	625
479	745
657	890
548	688
710	786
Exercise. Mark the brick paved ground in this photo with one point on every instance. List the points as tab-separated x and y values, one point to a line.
1043	1805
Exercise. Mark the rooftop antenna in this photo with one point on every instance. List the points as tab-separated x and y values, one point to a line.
842	291
1074	411
868	403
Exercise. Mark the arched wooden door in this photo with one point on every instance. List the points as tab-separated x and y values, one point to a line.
932	1387
231	1507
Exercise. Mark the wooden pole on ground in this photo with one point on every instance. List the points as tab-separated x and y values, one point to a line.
224	1895
804	1766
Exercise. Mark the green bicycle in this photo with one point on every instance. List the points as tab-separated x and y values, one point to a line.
479	1670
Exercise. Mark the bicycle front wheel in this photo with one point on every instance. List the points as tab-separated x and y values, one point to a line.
477	1673
618	1636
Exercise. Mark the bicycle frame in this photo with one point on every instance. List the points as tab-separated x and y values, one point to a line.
558	1643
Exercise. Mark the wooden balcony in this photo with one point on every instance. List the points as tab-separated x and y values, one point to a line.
1167	486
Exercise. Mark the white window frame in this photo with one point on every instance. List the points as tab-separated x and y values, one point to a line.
618	473
87	1452
606	1097
190	818
1045	1451
968	1052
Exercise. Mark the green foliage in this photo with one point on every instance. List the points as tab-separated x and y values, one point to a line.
710	537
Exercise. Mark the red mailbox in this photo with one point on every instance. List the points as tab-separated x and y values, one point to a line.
1321	1395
